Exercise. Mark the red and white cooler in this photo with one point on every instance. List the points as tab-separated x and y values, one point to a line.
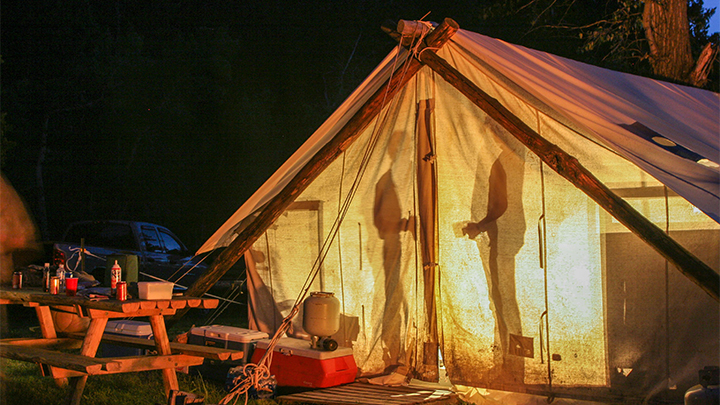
296	364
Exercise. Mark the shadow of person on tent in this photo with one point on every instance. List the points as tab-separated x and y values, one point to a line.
499	236
389	221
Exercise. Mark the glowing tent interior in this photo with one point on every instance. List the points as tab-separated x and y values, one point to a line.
521	246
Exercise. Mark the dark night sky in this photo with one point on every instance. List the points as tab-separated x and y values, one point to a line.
175	111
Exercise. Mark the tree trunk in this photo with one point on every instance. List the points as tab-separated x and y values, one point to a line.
668	33
699	75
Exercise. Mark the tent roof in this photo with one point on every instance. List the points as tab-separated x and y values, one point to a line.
627	113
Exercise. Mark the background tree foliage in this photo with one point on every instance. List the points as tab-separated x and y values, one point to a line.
176	111
612	33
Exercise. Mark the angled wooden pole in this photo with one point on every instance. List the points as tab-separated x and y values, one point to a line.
332	150
569	168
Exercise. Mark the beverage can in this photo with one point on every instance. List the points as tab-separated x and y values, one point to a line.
54	285
17	280
121	293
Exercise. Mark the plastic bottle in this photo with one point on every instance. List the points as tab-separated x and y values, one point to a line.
60	273
46	277
115	277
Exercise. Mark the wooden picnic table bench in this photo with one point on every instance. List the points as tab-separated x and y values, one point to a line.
52	351
212	353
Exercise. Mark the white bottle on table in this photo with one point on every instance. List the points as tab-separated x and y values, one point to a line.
115	277
60	273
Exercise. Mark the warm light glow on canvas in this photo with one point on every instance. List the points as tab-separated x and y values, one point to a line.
539	294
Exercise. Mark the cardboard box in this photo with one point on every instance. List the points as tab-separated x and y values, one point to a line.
126	328
296	364
227	337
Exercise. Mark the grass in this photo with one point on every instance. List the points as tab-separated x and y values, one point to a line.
22	384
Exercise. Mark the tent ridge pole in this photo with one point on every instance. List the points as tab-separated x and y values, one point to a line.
342	140
571	169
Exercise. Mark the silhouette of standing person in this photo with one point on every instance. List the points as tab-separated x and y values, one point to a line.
499	236
389	221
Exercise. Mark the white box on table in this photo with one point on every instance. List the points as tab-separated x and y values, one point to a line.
155	290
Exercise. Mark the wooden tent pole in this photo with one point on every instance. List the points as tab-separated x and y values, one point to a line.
344	138
569	168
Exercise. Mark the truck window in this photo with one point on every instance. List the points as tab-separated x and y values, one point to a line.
150	236
118	236
172	245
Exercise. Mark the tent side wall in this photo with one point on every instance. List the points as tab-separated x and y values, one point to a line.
538	289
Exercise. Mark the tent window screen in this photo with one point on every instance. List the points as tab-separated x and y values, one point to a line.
657	321
294	241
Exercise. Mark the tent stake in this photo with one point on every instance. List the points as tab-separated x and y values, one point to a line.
569	168
332	150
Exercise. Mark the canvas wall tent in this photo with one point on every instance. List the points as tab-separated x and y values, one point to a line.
439	230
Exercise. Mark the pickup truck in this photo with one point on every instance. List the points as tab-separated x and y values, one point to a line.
161	254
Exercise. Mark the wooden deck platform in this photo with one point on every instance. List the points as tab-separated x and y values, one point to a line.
367	394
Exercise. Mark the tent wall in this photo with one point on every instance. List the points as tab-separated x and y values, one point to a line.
372	266
471	316
552	295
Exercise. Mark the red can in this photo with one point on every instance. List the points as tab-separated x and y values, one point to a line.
17	280
121	293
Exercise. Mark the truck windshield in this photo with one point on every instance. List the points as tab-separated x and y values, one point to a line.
150	238
172	245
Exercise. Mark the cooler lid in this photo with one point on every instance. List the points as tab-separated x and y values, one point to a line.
127	327
298	347
228	333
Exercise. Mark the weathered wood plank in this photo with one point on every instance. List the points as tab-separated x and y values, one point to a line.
83	364
118	365
367	394
35	297
134	364
45	343
176	304
47	327
162	344
163	304
145	305
194	303
99	313
212	353
93	336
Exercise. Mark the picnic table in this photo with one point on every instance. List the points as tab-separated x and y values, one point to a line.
51	351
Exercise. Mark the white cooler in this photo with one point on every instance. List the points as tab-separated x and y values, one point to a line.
126	328
227	337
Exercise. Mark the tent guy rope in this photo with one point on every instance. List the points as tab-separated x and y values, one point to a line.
255	376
